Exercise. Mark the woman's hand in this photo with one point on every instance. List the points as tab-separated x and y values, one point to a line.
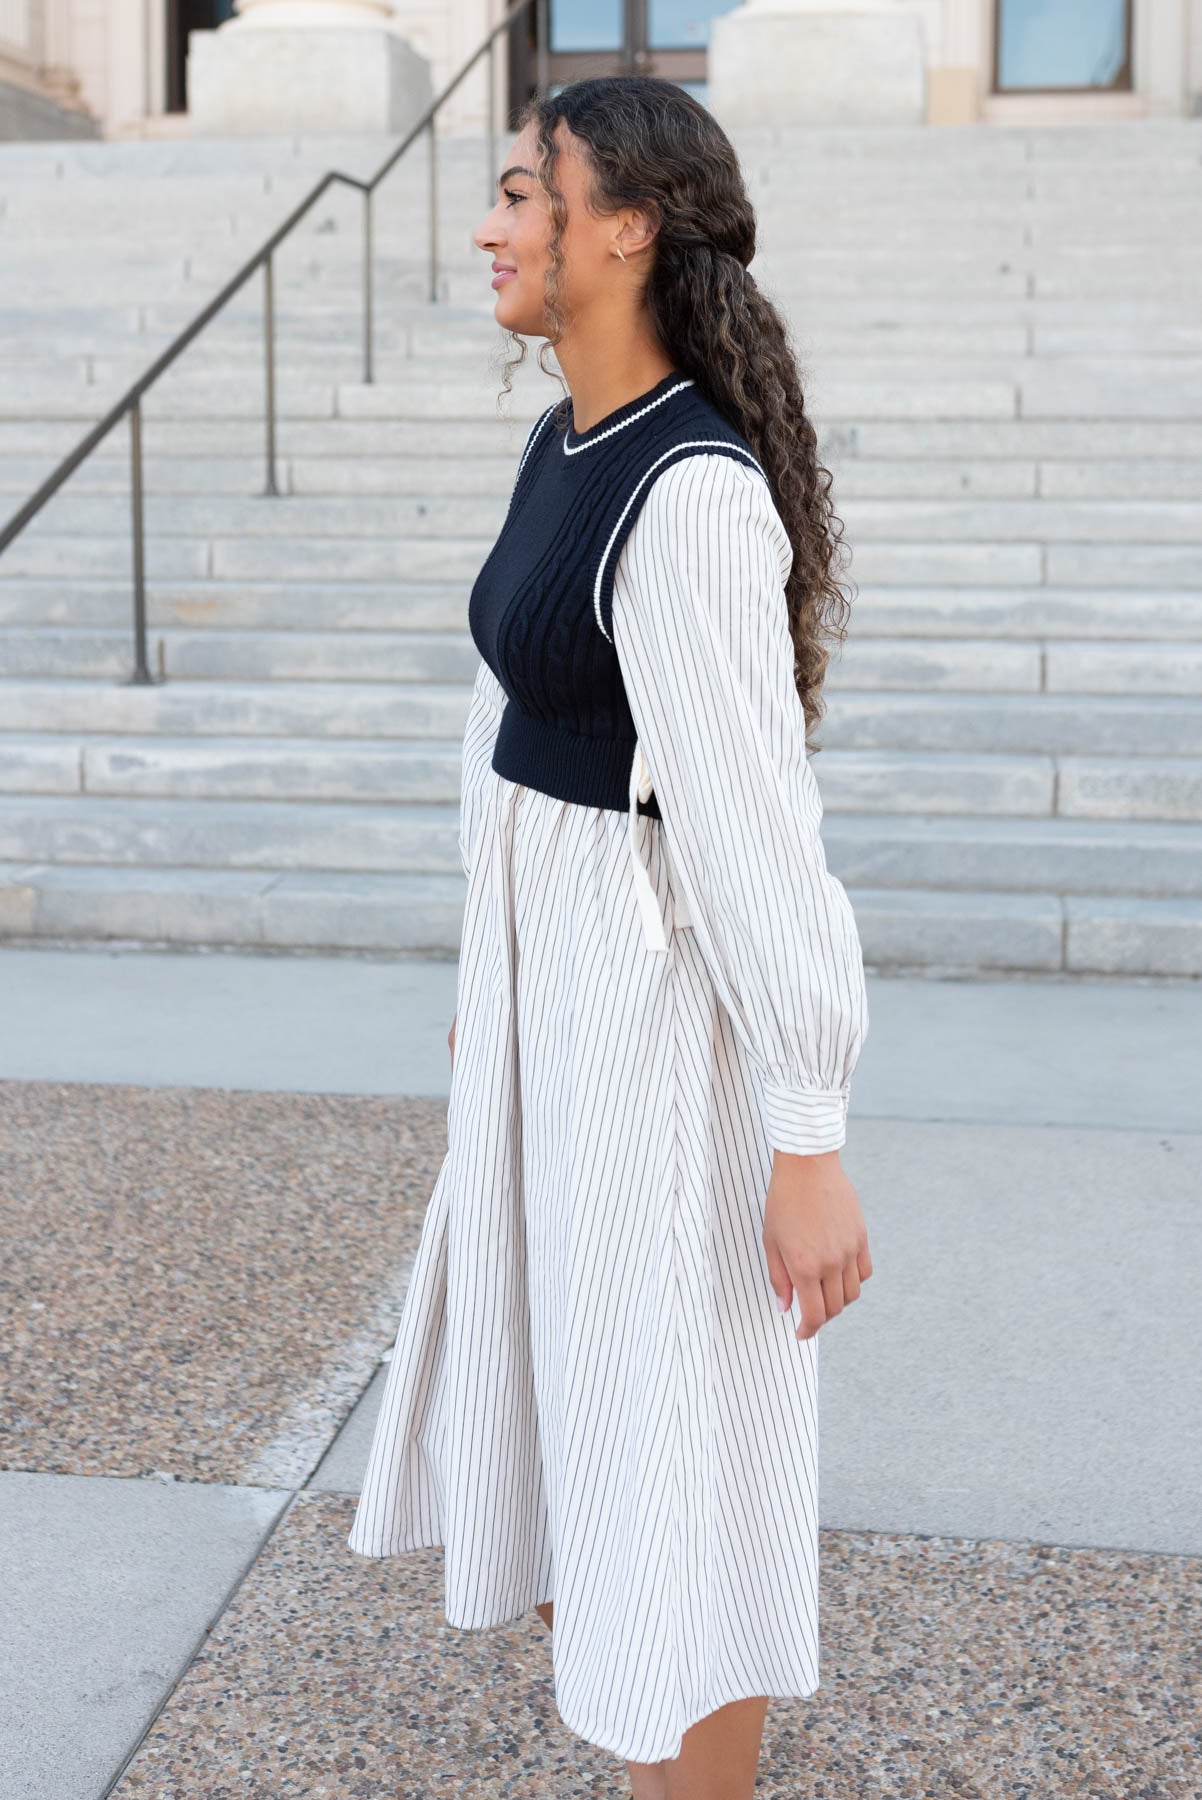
451	1040
815	1237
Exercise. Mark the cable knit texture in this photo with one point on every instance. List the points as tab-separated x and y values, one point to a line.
541	608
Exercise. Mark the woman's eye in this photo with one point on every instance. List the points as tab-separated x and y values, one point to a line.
511	195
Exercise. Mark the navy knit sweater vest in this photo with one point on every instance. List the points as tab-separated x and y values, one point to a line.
541	610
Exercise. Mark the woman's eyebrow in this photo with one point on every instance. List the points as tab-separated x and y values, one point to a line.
517	169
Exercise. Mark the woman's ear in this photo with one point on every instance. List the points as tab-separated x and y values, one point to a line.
639	229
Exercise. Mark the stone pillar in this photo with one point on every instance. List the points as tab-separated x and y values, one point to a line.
818	62
305	66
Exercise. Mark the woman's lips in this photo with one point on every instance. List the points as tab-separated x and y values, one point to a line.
503	275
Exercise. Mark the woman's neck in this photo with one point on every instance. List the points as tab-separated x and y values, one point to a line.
608	379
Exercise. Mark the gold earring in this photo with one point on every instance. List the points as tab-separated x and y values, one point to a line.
618	248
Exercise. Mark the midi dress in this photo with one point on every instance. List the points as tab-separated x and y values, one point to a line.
592	1397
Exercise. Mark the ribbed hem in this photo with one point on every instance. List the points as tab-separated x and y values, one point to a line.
805	1121
589	771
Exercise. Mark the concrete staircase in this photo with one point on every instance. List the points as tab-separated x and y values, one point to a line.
1004	358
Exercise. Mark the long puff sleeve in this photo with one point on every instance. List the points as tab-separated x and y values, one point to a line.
480	734
701	630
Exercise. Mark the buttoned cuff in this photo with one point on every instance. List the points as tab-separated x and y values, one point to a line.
805	1121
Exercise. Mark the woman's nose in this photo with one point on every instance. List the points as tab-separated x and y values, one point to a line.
485	235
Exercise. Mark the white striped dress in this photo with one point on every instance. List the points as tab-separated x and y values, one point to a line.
593	1398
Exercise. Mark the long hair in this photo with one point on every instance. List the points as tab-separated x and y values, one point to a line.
648	143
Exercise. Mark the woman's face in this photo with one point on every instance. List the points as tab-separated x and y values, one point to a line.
516	232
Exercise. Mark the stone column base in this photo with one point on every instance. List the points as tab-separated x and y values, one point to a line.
246	82
769	67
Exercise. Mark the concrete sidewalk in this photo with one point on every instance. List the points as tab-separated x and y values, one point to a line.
219	1165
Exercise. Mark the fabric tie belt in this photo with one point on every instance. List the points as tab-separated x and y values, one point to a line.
641	788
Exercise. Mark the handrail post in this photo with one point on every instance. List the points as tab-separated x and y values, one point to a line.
433	135
269	368
542	64
141	676
490	147
367	287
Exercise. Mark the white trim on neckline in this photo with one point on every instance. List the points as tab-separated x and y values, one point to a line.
575	449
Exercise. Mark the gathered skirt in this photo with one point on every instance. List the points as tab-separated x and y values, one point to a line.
592	1396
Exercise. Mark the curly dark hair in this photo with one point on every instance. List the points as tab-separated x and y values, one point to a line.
648	143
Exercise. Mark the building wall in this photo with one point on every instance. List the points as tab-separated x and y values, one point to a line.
112	53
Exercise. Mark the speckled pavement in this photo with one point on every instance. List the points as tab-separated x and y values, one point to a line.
949	1668
199	1286
204	1281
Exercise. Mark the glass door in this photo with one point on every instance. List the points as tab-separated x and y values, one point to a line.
1061	46
620	37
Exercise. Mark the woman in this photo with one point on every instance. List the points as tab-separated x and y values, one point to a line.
595	1402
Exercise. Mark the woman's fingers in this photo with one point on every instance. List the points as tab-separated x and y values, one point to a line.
812	1295
824	1298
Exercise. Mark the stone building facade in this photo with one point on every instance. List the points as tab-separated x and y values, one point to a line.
122	68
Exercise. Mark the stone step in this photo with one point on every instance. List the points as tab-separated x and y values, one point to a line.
1156	481
236	908
300	394
992	783
425	558
336	277
1000	614
892	386
934	353
1105	724
1004	854
118	160
417	837
438	440
1008	233
899	928
319	710
469	513
96	324
1121	144
1041	445
240	768
472	512
337	338
985	665
231	768
1156	478
881	316
256	656
1000	228
1081	934
302	605
796	289
107	472
416	558
1073	389
891	663
1047	438
792	275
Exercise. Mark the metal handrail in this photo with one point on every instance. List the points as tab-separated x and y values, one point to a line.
131	401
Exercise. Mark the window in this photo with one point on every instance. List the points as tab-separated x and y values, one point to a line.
1062	44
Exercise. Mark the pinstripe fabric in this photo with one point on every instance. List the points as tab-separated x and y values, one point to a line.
592	1397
